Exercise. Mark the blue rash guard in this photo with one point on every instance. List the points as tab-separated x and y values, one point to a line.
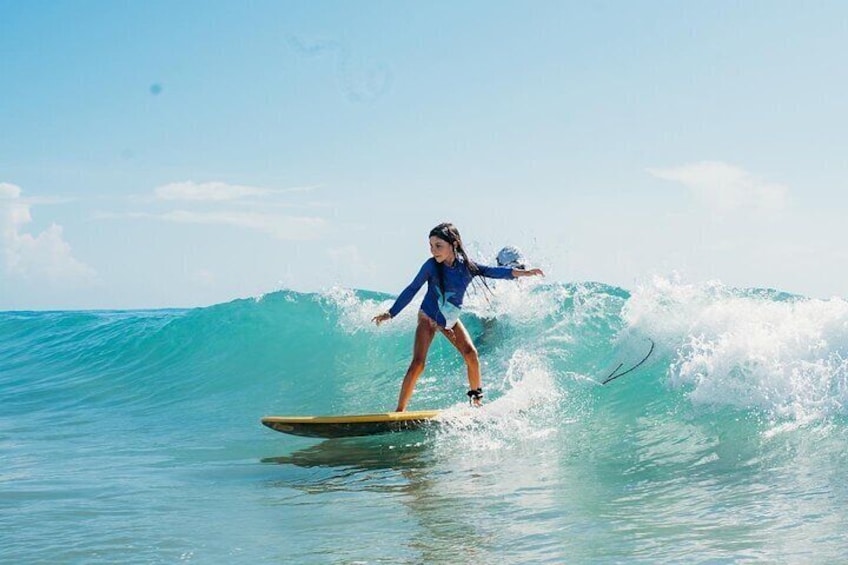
444	308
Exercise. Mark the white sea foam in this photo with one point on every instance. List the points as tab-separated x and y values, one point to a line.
356	313
525	410
752	349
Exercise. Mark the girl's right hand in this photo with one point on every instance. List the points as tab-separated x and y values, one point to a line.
380	318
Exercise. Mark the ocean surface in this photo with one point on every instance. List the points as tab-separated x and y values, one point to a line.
135	436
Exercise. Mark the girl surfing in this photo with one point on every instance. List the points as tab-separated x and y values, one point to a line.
447	274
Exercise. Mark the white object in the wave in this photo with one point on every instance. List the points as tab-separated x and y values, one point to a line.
511	256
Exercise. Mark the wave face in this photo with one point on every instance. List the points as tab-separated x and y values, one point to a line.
133	435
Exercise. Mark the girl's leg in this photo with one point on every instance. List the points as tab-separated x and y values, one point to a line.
424	334
459	337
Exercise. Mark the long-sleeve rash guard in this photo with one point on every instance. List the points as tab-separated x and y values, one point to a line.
444	308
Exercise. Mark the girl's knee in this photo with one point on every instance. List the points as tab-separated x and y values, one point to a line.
418	363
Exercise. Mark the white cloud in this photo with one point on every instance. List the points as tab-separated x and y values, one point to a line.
9	191
216	191
45	257
725	188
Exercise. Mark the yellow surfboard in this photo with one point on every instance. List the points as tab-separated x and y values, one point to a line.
352	425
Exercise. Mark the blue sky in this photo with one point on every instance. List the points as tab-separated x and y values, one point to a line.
158	154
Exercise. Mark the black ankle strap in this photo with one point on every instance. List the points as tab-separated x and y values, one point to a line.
475	394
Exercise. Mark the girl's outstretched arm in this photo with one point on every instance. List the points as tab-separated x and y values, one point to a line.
407	295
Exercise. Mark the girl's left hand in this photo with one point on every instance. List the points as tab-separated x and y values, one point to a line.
528	273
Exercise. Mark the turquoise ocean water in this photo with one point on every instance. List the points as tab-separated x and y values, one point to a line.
134	436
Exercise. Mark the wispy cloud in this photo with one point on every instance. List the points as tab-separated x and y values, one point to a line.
45	256
361	80
219	203
726	188
217	191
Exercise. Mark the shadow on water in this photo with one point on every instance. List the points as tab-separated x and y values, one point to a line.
380	463
394	451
